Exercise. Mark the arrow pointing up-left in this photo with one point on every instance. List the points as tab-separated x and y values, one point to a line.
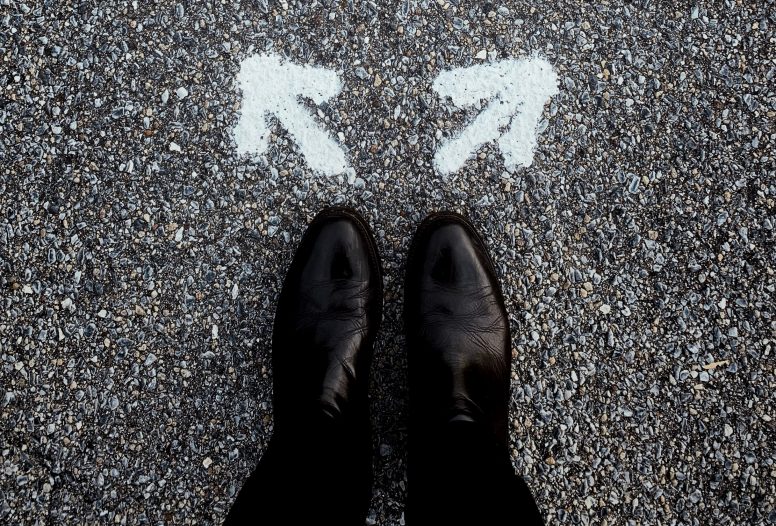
273	87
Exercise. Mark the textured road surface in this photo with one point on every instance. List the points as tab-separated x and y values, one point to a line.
138	282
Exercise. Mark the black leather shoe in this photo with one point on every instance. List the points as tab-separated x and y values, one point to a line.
459	471
319	459
325	326
457	332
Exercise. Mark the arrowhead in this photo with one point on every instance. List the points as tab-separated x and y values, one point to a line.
273	87
516	91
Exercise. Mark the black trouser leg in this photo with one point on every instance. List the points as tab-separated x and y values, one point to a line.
322	476
461	475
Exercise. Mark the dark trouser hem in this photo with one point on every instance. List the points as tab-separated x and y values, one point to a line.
458	476
461	476
322	478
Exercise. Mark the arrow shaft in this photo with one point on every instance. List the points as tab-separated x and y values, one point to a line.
486	127
320	150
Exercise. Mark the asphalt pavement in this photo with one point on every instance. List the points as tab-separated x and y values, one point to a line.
142	250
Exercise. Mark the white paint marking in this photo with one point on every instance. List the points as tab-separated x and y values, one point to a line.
271	86
516	90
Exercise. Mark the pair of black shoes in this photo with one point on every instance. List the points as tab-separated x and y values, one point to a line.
459	354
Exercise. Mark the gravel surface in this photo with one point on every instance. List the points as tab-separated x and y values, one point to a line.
141	258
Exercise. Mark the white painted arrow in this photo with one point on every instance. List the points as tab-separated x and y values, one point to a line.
271	86
516	91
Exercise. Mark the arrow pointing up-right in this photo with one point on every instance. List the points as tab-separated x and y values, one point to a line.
516	91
